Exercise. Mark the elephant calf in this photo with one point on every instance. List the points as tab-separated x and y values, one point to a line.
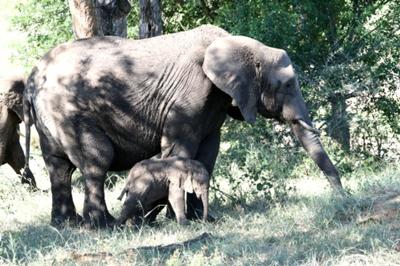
11	94
153	180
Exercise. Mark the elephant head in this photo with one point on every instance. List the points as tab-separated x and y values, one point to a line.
261	79
11	95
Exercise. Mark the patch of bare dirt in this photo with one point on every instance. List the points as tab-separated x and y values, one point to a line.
384	208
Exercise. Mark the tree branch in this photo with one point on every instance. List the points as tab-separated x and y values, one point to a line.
100	256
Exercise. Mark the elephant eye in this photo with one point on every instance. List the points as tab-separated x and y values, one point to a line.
288	88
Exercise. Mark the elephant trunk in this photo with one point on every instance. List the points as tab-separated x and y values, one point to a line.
204	199
127	211
295	112
309	140
121	220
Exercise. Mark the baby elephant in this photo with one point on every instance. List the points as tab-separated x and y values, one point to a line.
153	180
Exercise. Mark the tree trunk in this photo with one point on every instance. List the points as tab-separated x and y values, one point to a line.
84	20
99	17
150	24
112	15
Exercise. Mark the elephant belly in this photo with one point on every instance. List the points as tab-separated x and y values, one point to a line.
126	157
132	143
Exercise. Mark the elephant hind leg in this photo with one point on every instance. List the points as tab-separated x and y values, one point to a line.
63	208
93	156
60	170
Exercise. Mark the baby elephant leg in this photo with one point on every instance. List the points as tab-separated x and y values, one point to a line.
176	197
155	209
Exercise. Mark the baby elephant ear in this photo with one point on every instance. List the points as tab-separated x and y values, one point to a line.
230	63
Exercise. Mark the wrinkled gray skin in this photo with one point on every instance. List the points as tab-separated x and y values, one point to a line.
11	93
152	181
106	103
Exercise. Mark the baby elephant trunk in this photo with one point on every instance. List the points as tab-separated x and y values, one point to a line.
204	199
123	193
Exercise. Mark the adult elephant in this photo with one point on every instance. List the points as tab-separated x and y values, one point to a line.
104	104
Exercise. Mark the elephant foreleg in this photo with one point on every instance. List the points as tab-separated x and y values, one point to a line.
176	197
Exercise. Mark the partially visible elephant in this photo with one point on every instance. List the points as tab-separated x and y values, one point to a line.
106	103
11	94
153	180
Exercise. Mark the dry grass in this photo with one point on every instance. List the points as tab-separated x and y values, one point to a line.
311	228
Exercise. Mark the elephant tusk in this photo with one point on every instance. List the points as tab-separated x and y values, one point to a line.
234	103
308	127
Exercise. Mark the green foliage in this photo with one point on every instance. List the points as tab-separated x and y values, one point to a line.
303	29
133	21
363	70
186	14
391	111
255	161
46	23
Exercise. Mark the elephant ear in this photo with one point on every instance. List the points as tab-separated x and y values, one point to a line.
230	63
13	90
187	184
183	181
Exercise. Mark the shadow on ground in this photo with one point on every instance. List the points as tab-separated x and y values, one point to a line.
252	233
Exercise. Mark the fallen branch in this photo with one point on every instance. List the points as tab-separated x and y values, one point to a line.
171	247
232	198
87	257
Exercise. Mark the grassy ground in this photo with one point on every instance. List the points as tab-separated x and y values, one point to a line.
313	227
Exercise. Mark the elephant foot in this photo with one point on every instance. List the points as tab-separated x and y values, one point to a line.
98	219
28	178
182	220
210	219
72	219
197	214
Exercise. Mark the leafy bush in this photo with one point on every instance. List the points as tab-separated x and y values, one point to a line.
256	161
